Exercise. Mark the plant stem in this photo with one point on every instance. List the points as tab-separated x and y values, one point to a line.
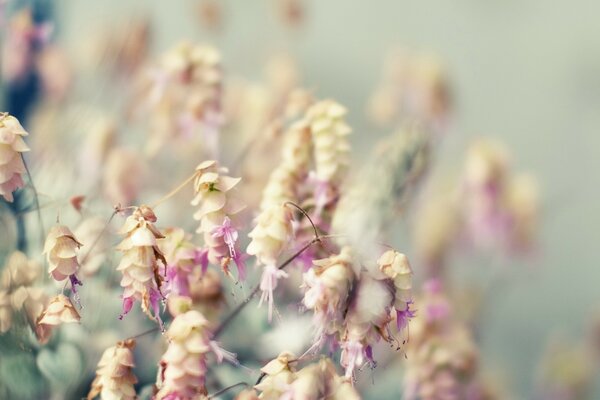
243	304
174	191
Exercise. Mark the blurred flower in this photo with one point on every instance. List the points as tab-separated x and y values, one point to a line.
90	231
17	291
11	163
114	376
59	311
278	375
184	93
331	149
442	360
122	178
566	372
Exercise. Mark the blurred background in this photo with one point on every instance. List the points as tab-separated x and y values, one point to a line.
524	73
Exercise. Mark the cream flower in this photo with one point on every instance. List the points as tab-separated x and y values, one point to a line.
122	177
183	367
61	249
219	208
17	292
270	236
184	93
140	263
327	287
11	163
59	311
114	376
331	148
279	374
395	266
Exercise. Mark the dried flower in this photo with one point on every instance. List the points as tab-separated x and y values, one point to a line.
396	267
114	375
331	149
269	237
59	311
140	263
441	356
122	176
184	93
61	249
90	231
11	163
183	367
279	374
219	206
328	285
182	259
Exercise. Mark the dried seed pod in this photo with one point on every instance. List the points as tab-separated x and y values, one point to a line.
142	279
11	163
60	310
61	249
114	375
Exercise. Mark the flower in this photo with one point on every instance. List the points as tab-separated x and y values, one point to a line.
122	178
395	265
139	265
182	259
184	94
441	355
61	249
183	367
59	311
269	237
331	149
279	374
114	375
327	287
219	206
12	146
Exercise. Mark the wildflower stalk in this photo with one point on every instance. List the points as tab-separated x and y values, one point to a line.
228	388
254	291
174	191
116	210
36	199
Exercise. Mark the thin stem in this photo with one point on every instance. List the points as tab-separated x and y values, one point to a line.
139	335
228	388
37	200
254	291
97	240
174	191
303	211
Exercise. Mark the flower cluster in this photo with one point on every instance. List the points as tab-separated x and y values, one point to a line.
17	290
139	265
441	356
61	250
219	209
60	310
354	311
412	86
183	367
11	163
331	149
184	93
320	380
114	375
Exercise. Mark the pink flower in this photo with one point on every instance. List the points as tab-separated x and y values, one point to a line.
268	283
